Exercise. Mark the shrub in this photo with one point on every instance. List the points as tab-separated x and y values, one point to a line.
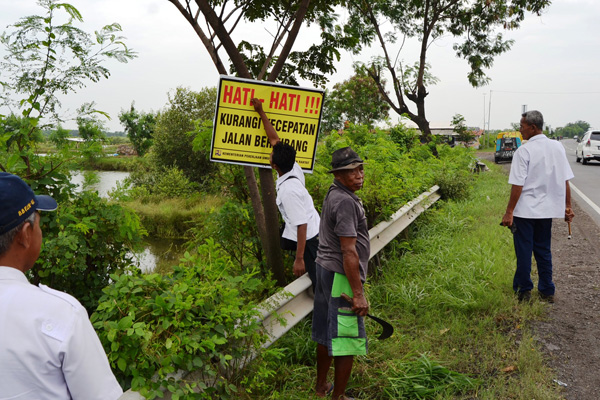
453	175
154	185
232	226
394	174
199	318
85	241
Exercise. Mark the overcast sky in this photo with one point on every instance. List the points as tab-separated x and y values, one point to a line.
552	66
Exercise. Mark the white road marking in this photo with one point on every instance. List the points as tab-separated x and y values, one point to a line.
585	198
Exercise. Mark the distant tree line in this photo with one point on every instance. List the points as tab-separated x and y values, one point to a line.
572	129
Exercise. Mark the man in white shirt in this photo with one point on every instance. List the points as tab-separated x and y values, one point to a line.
539	176
48	347
293	200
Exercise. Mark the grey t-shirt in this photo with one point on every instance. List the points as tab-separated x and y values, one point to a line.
342	216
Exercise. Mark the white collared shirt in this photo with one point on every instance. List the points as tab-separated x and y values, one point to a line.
296	205
48	347
542	168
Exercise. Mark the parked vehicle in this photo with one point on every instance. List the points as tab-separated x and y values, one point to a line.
506	145
588	147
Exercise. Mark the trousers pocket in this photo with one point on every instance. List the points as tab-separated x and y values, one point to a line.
347	325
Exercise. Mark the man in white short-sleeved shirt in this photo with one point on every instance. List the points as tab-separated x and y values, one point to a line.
48	347
293	200
539	175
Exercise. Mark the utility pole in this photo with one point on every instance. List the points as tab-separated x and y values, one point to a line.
490	110
485	137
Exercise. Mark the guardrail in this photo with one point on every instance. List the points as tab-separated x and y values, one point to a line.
295	301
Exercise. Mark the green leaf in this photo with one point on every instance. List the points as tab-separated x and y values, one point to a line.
125	322
122	364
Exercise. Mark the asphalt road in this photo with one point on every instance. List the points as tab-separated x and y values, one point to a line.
585	187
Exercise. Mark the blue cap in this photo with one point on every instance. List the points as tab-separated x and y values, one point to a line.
17	202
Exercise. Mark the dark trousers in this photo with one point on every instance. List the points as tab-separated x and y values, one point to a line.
533	236
310	255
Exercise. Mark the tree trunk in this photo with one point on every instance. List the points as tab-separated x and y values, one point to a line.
265	210
271	244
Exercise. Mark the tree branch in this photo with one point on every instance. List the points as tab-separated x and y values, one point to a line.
208	44
287	47
224	38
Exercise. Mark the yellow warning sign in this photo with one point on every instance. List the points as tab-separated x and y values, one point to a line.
239	136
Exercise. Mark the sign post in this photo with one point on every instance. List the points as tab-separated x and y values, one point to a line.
238	134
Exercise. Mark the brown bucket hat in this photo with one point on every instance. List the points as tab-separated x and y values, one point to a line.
344	158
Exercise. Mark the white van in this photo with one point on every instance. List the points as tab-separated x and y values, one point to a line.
588	147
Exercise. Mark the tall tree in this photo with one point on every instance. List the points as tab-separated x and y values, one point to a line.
43	60
465	135
573	129
474	24
139	127
215	23
173	143
356	100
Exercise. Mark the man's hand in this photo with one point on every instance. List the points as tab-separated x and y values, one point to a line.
507	219
299	267
569	214
360	305
257	105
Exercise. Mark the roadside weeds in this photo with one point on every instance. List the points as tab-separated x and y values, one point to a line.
447	289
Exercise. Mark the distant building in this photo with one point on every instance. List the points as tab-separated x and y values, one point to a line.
452	137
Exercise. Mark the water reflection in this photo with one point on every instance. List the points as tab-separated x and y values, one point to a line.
160	254
101	181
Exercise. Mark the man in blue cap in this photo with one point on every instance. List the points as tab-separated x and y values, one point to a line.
48	347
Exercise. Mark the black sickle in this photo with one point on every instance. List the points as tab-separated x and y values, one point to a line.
388	329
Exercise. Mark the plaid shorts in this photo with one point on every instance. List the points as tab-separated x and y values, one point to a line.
334	325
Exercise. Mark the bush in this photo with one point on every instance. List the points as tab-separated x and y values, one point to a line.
453	175
200	318
397	169
85	241
173	140
233	228
154	185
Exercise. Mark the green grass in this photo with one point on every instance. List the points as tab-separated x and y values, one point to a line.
172	218
459	331
120	163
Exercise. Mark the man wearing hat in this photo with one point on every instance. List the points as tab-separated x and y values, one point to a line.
342	259
48	347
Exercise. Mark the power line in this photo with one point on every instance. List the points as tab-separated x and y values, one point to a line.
561	93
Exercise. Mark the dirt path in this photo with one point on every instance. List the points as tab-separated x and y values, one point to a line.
570	334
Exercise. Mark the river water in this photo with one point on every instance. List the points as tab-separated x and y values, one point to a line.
106	180
158	252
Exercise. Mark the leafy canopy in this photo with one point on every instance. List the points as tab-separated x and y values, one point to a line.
474	24
356	100
173	140
48	56
139	127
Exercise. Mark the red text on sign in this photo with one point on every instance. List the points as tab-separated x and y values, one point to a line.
237	95
284	101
